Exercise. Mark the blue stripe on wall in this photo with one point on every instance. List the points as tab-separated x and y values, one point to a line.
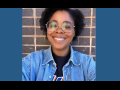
11	44
108	44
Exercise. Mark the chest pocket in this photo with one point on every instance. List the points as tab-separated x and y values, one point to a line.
75	73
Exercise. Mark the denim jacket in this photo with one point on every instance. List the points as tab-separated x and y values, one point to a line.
40	66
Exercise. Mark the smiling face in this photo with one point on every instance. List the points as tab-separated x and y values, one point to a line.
59	39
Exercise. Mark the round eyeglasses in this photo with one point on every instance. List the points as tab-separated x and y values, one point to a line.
66	27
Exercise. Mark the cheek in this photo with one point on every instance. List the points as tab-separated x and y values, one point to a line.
71	35
49	35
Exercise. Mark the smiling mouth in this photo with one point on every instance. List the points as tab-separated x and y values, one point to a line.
59	39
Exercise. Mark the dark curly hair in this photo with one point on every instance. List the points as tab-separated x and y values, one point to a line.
75	14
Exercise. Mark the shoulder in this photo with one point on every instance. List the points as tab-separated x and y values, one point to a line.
84	59
82	56
88	65
33	57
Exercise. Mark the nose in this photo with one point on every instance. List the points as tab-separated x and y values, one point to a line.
59	30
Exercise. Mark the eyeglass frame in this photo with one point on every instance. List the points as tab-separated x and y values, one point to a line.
60	25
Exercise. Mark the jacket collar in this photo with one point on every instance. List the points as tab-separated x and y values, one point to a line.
74	57
48	57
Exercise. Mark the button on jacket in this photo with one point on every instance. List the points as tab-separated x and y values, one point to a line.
40	66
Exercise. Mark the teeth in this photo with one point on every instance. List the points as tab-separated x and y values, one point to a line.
59	38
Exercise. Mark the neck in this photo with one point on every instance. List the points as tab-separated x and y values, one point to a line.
62	53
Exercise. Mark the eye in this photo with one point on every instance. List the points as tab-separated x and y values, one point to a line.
66	27
53	26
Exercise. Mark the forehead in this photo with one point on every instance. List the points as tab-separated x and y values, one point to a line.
61	16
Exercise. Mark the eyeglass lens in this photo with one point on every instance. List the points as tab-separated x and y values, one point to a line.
66	26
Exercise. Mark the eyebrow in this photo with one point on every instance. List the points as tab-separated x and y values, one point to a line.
68	22
54	20
63	22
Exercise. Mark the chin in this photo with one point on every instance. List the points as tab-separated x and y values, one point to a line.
58	47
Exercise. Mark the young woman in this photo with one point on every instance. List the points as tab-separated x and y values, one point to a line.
59	62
